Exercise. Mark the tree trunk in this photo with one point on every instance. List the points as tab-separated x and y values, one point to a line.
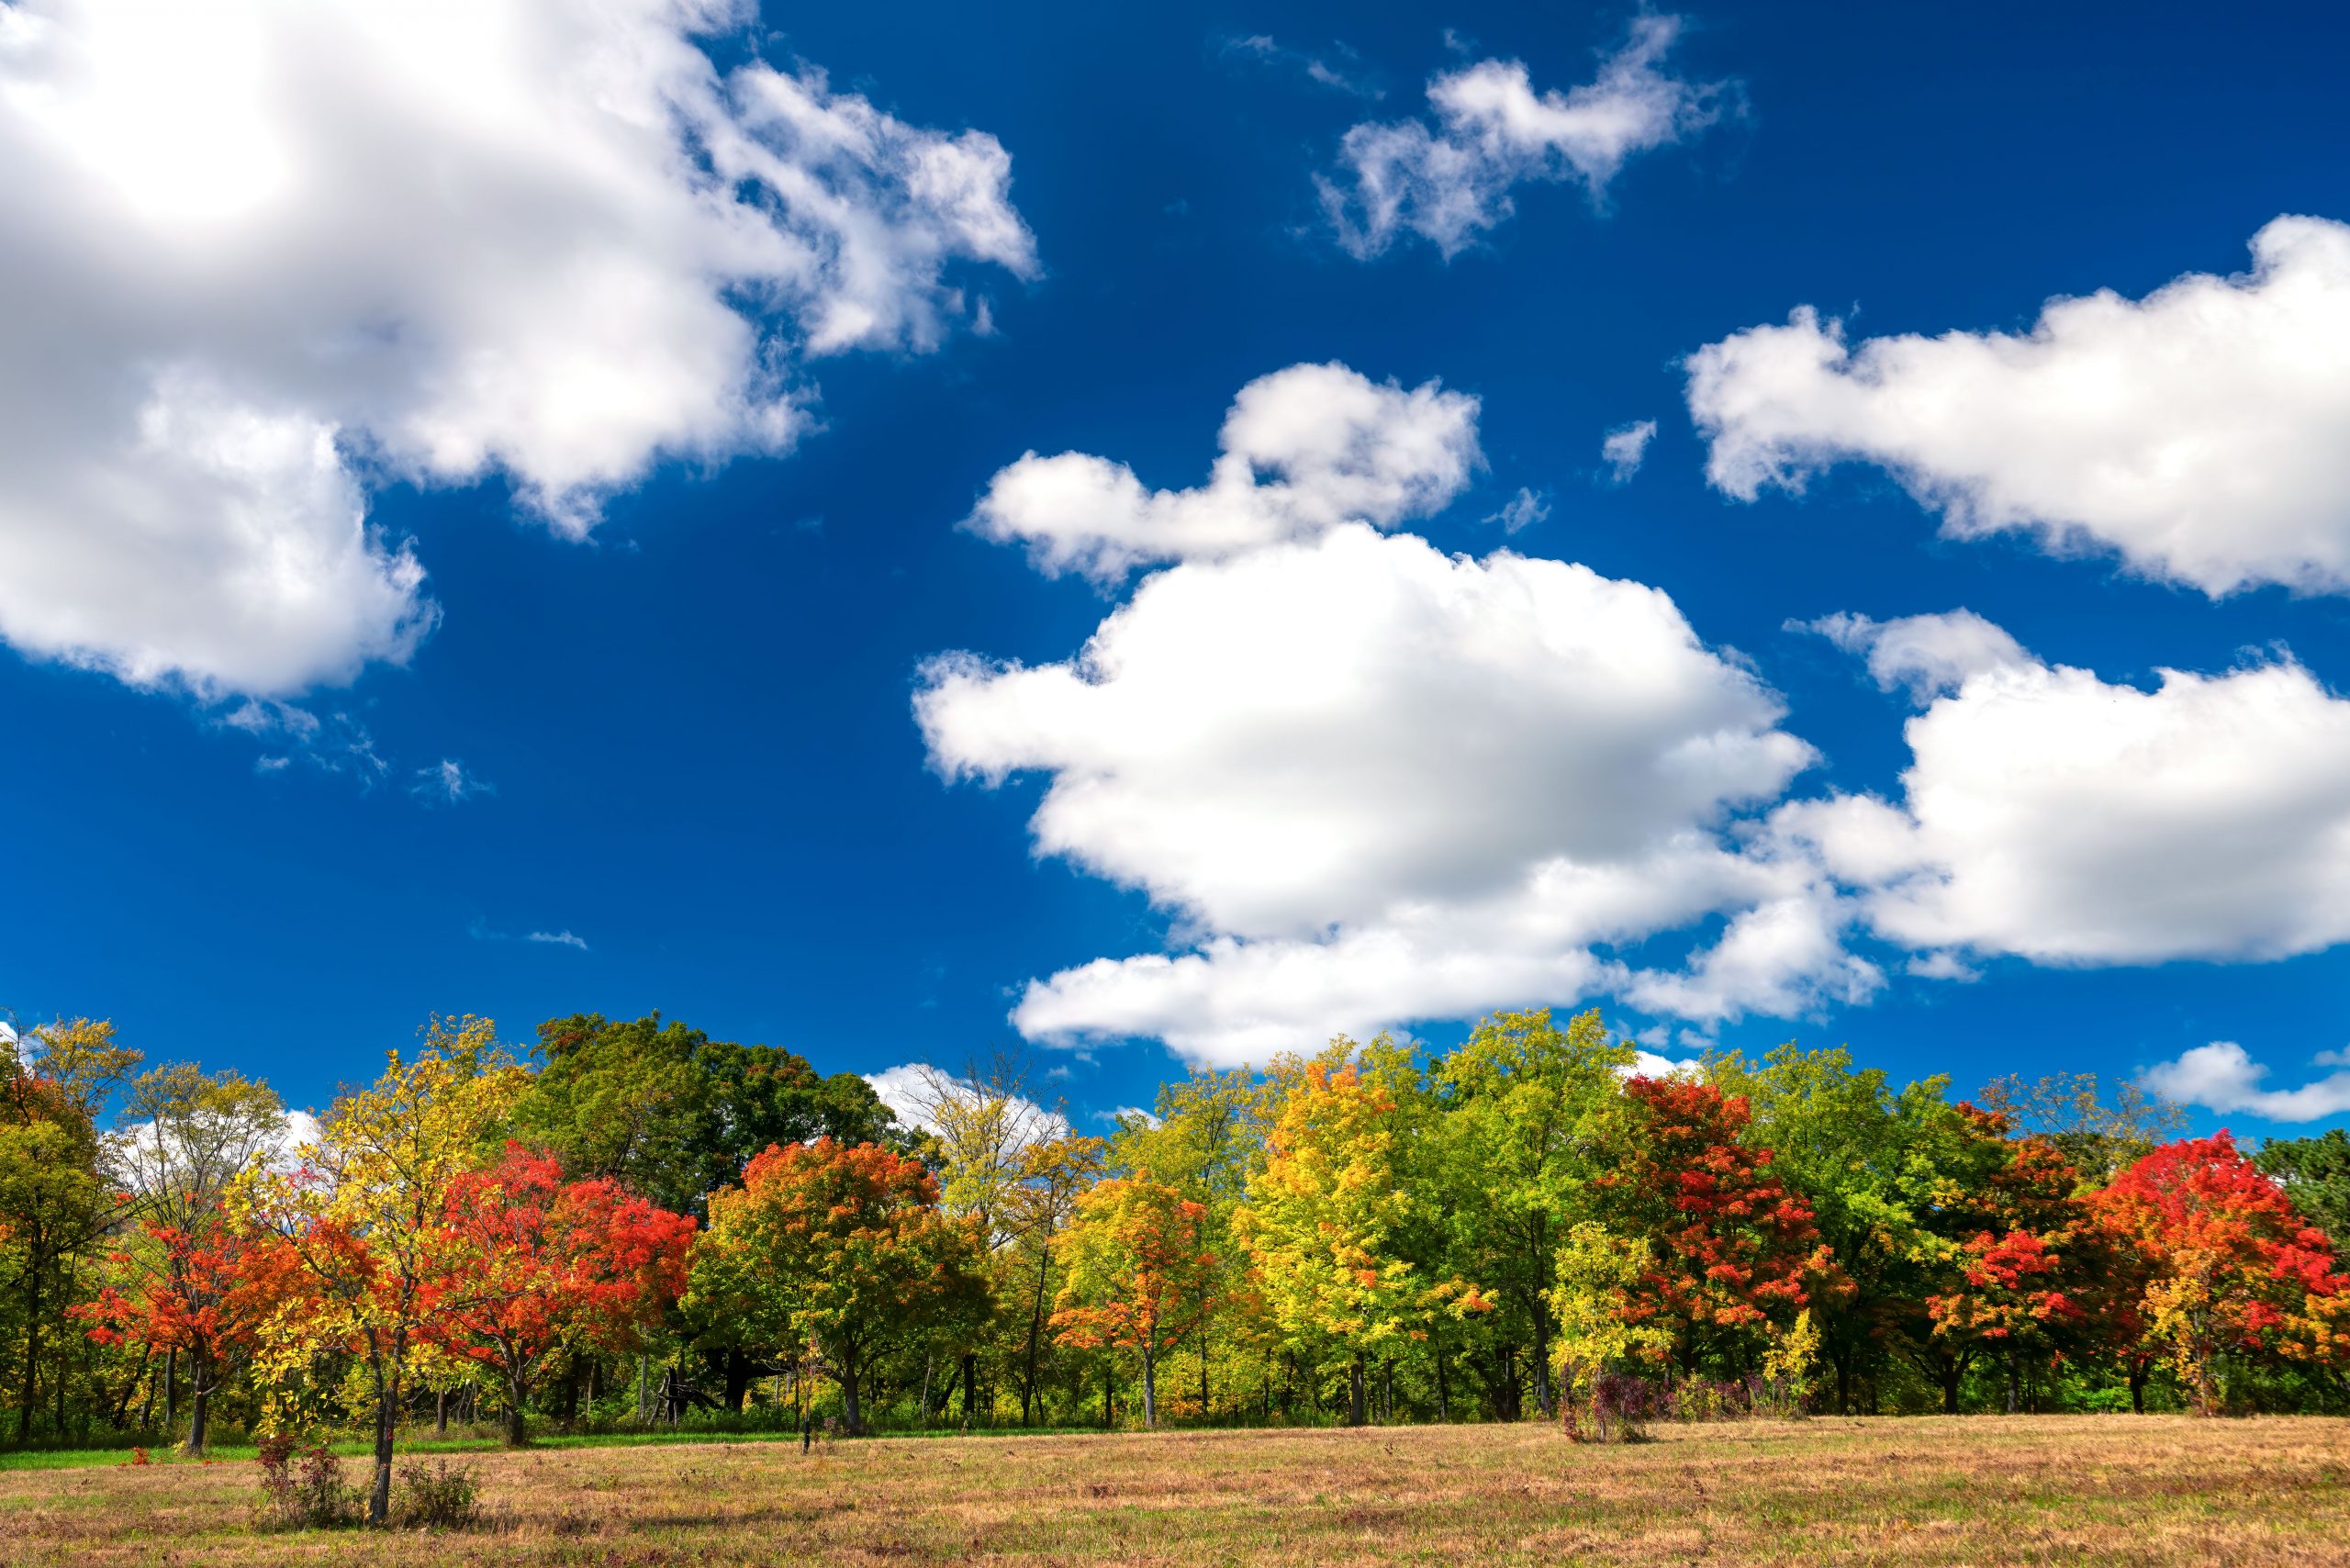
737	1372
1839	1356
1443	1397
1149	1385
970	1384
853	1415
170	1388
31	1390
441	1414
2014	1394
1541	1358
199	1404
1108	1382
1356	1415
379	1496
1950	1375
1203	1375
1035	1331
516	1437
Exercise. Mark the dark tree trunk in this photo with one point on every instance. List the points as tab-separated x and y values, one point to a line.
516	1434
441	1414
1036	1333
970	1384
856	1417
2138	1371
199	1404
1541	1357
1149	1385
31	1390
1841	1357
737	1372
1356	1415
379	1496
1951	1376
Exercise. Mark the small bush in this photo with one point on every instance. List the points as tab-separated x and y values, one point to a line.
302	1486
1616	1408
439	1495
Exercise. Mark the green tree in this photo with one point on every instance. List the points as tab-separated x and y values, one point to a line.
2316	1173
1520	1096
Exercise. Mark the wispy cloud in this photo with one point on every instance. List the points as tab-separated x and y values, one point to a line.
333	742
1522	510
1340	70
446	782
560	938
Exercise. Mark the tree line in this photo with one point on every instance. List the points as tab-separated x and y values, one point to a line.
632	1221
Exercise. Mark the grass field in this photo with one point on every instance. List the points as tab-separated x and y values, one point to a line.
1967	1490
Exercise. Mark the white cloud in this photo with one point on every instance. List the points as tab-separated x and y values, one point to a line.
1313	732
1302	450
2197	431
1522	510
1927	655
1493	131
270	254
1126	1115
1375	784
2223	1077
2050	814
1339	70
916	1092
1625	448
558	938
448	783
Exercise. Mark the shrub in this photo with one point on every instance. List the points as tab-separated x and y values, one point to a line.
439	1495
302	1486
1613	1407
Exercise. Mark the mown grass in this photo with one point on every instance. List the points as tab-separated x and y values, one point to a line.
1967	1490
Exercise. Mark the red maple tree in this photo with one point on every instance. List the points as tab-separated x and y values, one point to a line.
1731	1250
2229	1266
532	1265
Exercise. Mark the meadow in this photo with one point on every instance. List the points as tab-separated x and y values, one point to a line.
2023	1489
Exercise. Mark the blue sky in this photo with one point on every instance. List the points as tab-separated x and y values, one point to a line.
677	671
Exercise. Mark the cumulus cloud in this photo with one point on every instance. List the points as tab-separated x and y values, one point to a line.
1374	784
1450	183
919	1095
2197	432
283	253
1625	448
2051	814
1302	450
1927	655
2223	1077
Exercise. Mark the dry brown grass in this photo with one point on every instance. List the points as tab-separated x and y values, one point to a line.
1969	1490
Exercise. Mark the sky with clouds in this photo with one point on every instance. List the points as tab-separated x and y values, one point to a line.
1160	535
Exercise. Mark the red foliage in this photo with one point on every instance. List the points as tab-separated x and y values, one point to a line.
1732	1248
530	1264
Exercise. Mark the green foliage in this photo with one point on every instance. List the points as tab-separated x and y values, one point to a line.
675	1114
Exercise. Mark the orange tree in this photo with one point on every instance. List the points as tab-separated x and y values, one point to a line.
2231	1267
531	1265
2013	1259
358	1239
843	1250
1725	1251
203	1288
1138	1277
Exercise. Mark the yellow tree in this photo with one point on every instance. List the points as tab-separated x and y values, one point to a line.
1054	1174
1327	1218
1139	1267
358	1223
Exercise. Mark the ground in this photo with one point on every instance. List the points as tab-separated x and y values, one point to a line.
1962	1490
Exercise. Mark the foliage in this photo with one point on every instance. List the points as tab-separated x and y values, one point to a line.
2231	1268
843	1250
531	1265
303	1487
1138	1273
